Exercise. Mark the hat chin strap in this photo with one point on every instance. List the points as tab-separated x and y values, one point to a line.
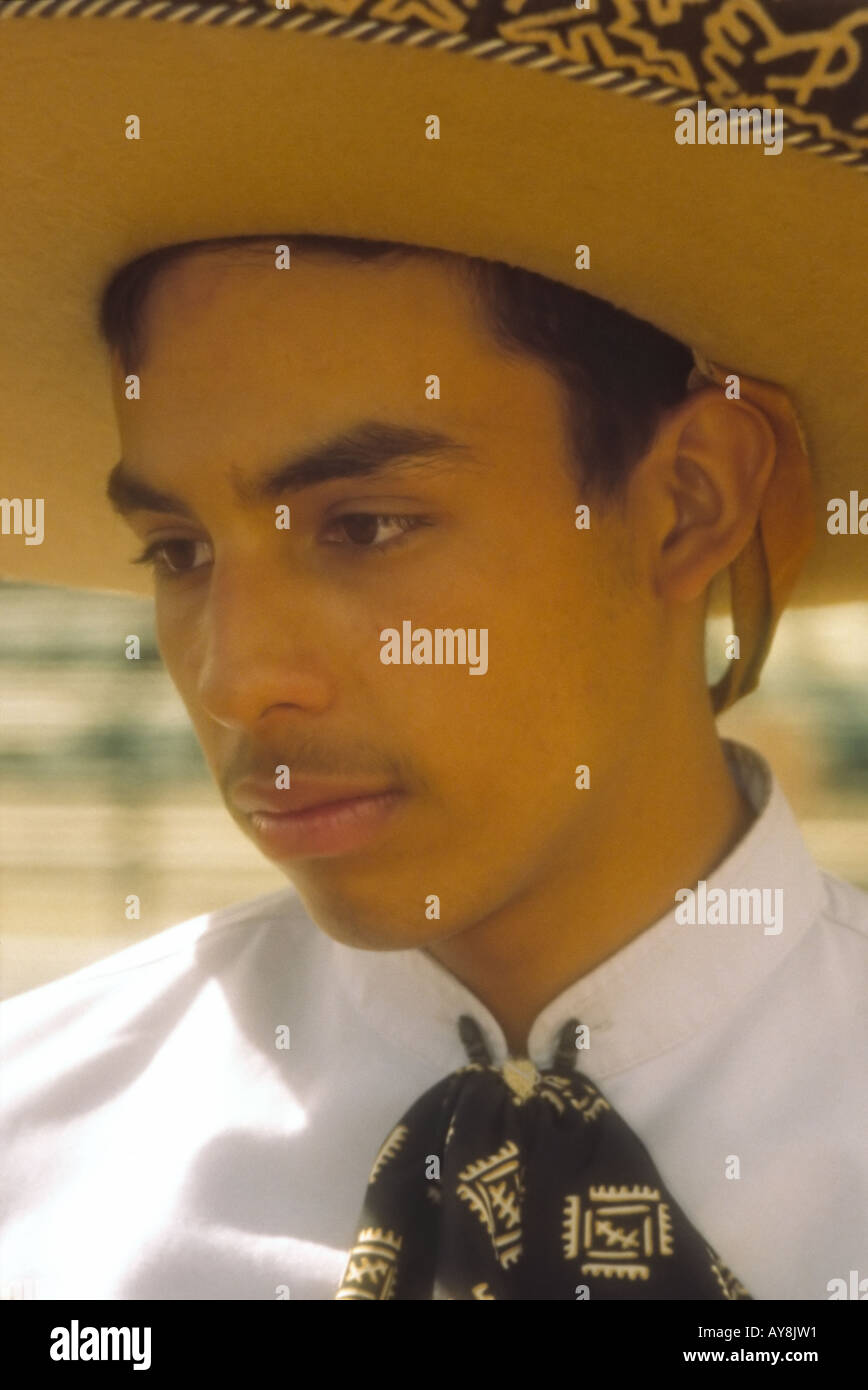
763	574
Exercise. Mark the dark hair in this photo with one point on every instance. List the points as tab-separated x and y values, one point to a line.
619	373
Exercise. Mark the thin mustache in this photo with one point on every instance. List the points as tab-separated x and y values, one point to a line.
262	768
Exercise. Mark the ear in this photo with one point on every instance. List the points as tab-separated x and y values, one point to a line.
701	485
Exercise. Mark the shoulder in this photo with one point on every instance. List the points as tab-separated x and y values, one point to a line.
830	964
846	908
165	971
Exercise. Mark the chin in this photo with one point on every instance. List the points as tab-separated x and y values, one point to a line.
378	930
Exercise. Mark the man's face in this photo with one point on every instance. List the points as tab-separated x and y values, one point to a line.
273	635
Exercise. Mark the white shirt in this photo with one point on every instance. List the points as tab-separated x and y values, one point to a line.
159	1144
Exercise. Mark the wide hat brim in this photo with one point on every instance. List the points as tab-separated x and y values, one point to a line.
756	261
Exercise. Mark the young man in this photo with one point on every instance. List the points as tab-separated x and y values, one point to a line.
433	544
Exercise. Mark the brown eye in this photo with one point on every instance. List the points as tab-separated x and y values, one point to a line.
372	530
179	555
361	527
175	556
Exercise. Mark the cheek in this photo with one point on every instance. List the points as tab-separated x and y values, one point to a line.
489	739
563	664
173	648
178	650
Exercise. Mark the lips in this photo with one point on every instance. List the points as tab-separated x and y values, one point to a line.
315	818
303	794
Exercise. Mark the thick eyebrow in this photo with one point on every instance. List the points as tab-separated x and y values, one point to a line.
366	448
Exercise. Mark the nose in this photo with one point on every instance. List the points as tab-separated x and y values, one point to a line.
260	646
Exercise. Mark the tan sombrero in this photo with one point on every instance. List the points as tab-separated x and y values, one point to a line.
557	127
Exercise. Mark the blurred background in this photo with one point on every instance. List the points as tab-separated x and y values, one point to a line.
104	792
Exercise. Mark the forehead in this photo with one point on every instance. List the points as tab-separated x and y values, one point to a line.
240	315
234	345
416	292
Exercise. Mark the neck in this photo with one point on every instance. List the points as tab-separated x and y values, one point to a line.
674	819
